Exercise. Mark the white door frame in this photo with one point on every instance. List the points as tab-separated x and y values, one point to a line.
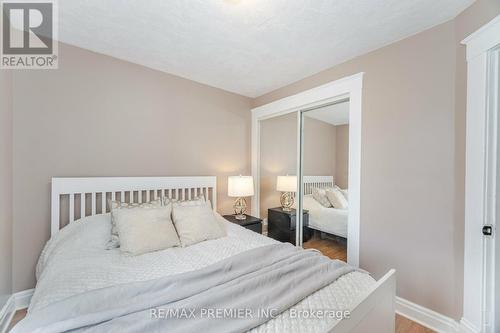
480	191
350	87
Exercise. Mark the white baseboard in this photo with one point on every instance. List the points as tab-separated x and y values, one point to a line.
432	319
17	301
426	317
467	327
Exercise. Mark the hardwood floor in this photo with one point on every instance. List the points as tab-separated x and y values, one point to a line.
405	325
332	248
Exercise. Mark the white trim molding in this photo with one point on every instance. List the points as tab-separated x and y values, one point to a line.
484	39
346	88
432	319
480	180
467	327
426	317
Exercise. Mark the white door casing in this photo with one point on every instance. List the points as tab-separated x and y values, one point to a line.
480	189
348	87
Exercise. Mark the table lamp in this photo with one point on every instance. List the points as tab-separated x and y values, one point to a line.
286	185
240	187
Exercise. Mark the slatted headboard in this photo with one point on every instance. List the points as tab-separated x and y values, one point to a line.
74	198
311	182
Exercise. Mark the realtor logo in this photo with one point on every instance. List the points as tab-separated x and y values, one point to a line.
29	34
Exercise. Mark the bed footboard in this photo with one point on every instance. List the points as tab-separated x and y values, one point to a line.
375	312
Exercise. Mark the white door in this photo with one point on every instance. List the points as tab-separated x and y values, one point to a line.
494	70
481	311
491	227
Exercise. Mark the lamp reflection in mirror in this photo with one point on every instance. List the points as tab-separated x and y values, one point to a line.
287	185
240	187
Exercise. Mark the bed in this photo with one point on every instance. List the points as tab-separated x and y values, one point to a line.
329	220
75	261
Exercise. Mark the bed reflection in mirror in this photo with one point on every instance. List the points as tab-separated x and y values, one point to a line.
325	160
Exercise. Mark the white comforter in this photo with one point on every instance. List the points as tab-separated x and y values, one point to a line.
76	261
330	220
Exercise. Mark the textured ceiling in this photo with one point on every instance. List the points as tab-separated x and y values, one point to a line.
249	47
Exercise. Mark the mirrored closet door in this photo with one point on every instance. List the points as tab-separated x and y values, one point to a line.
277	176
323	179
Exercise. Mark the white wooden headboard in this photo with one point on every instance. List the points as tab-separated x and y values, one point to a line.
88	196
311	182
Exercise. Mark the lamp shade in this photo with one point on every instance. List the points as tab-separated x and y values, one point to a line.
286	184
240	186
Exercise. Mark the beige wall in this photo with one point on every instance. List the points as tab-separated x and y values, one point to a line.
99	116
79	118
342	156
319	147
278	155
407	176
5	185
413	157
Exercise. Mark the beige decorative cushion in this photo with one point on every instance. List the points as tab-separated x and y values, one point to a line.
336	198
145	230
197	201
117	205
319	194
195	224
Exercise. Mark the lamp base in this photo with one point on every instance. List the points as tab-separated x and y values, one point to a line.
286	201
240	207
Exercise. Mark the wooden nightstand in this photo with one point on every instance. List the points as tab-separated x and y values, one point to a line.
281	225
251	223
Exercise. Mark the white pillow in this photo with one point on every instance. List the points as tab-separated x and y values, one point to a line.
319	194
197	201
195	224
336	198
114	242
145	230
345	192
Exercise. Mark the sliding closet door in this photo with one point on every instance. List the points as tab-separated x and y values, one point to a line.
278	170
323	182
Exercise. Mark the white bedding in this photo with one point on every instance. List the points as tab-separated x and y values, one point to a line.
330	220
76	261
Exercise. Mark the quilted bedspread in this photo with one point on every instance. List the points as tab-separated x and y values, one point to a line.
76	261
